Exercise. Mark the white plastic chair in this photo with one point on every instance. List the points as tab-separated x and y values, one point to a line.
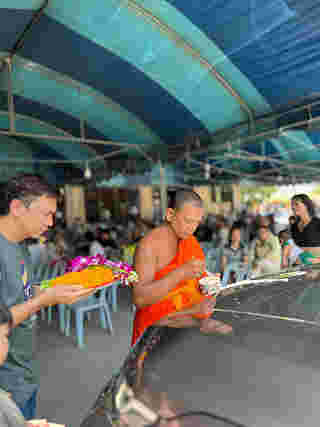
83	307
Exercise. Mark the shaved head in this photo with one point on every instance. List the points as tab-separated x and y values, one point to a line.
181	197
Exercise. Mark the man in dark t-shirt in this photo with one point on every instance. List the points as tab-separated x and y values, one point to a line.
27	208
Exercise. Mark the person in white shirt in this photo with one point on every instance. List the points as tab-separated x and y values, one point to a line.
266	253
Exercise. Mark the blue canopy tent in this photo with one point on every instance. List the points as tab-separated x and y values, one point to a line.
231	84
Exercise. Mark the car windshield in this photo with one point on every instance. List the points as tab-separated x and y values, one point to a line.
265	373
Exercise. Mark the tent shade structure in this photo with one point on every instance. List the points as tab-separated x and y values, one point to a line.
231	84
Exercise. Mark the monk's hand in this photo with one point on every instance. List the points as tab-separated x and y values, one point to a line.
211	284
207	306
194	268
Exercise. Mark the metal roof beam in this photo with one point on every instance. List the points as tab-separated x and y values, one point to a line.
272	133
69	138
56	161
282	165
229	137
21	39
228	171
37	121
291	166
280	162
81	88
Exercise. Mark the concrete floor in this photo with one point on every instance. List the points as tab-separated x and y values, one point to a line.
72	378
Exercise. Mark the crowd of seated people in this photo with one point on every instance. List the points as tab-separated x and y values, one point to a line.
257	242
110	238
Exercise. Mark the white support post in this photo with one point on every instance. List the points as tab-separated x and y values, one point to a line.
74	203
145	202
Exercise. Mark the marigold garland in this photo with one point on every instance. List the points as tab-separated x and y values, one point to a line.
94	271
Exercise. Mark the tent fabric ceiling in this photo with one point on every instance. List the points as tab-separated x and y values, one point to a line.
155	73
35	83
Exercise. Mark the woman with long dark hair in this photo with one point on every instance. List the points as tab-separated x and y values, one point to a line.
306	229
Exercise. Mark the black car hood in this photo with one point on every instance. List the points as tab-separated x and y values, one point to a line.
267	373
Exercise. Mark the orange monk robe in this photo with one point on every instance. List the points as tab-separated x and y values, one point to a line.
183	296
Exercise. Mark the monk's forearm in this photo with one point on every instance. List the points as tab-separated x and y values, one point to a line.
153	292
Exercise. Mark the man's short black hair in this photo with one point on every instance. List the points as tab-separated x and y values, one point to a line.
24	187
180	197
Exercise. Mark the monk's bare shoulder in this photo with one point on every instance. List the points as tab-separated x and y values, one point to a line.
148	254
154	239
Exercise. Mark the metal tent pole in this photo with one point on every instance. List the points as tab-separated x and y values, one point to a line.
163	190
67	138
11	111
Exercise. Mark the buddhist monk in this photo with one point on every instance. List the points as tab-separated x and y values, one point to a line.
169	262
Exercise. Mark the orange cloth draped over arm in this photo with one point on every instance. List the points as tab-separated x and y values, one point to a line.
182	297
